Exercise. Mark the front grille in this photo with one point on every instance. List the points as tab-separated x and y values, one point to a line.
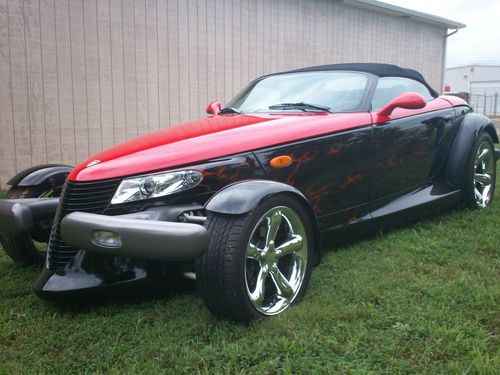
92	197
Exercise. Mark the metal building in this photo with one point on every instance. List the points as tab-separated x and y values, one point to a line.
480	82
78	76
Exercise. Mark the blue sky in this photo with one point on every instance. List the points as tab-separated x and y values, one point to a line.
479	42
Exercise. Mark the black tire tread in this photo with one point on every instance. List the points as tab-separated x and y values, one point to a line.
226	232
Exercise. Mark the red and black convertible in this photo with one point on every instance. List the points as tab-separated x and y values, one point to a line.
245	199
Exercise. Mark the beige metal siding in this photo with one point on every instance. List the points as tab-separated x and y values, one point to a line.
78	76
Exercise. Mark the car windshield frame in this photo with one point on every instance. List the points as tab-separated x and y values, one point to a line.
364	105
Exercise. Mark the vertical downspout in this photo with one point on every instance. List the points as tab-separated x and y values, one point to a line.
444	56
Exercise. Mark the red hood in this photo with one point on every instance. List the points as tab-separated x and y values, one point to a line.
210	138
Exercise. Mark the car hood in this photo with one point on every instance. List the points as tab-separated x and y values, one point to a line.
205	139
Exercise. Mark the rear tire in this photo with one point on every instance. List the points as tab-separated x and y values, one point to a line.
22	249
479	183
257	264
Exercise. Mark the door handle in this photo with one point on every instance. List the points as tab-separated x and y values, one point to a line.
448	121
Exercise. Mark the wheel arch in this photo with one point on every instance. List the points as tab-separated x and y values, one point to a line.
473	125
492	132
244	196
52	174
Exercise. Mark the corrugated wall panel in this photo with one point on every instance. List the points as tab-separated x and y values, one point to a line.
77	76
173	60
19	84
118	71
79	79
105	73
129	66
152	64
7	134
141	67
92	83
35	83
65	82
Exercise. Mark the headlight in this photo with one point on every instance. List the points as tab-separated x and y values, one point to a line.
155	185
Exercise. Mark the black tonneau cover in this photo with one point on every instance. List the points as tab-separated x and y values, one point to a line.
380	70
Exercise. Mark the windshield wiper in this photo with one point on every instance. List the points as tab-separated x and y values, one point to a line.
228	110
301	106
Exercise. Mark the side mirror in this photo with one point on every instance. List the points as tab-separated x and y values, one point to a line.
408	100
213	108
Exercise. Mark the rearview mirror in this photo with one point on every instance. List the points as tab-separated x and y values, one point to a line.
213	108
408	100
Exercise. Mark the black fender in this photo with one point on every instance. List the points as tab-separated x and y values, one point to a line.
242	197
473	125
50	174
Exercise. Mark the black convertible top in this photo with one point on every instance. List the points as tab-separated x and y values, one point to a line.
380	70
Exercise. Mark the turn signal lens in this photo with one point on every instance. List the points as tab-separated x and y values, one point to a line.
281	161
106	238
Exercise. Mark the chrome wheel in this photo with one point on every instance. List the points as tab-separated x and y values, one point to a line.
484	174
276	260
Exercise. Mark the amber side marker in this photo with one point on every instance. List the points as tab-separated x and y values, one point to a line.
281	161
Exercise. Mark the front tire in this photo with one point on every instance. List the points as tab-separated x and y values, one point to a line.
21	248
479	184
257	264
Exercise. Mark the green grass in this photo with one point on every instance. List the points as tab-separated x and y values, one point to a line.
422	299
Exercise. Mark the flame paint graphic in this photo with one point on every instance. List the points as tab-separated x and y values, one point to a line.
229	173
215	172
297	164
391	163
333	150
351	179
315	196
307	156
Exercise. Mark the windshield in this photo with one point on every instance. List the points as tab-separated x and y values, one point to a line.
336	91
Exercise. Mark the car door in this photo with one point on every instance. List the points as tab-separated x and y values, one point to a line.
406	146
332	171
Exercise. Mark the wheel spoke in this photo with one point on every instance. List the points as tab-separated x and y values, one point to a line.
257	296
291	246
273	225
280	281
252	251
479	196
482	178
483	155
486	194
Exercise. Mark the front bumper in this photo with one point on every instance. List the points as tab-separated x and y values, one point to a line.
145	235
153	245
139	236
18	216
